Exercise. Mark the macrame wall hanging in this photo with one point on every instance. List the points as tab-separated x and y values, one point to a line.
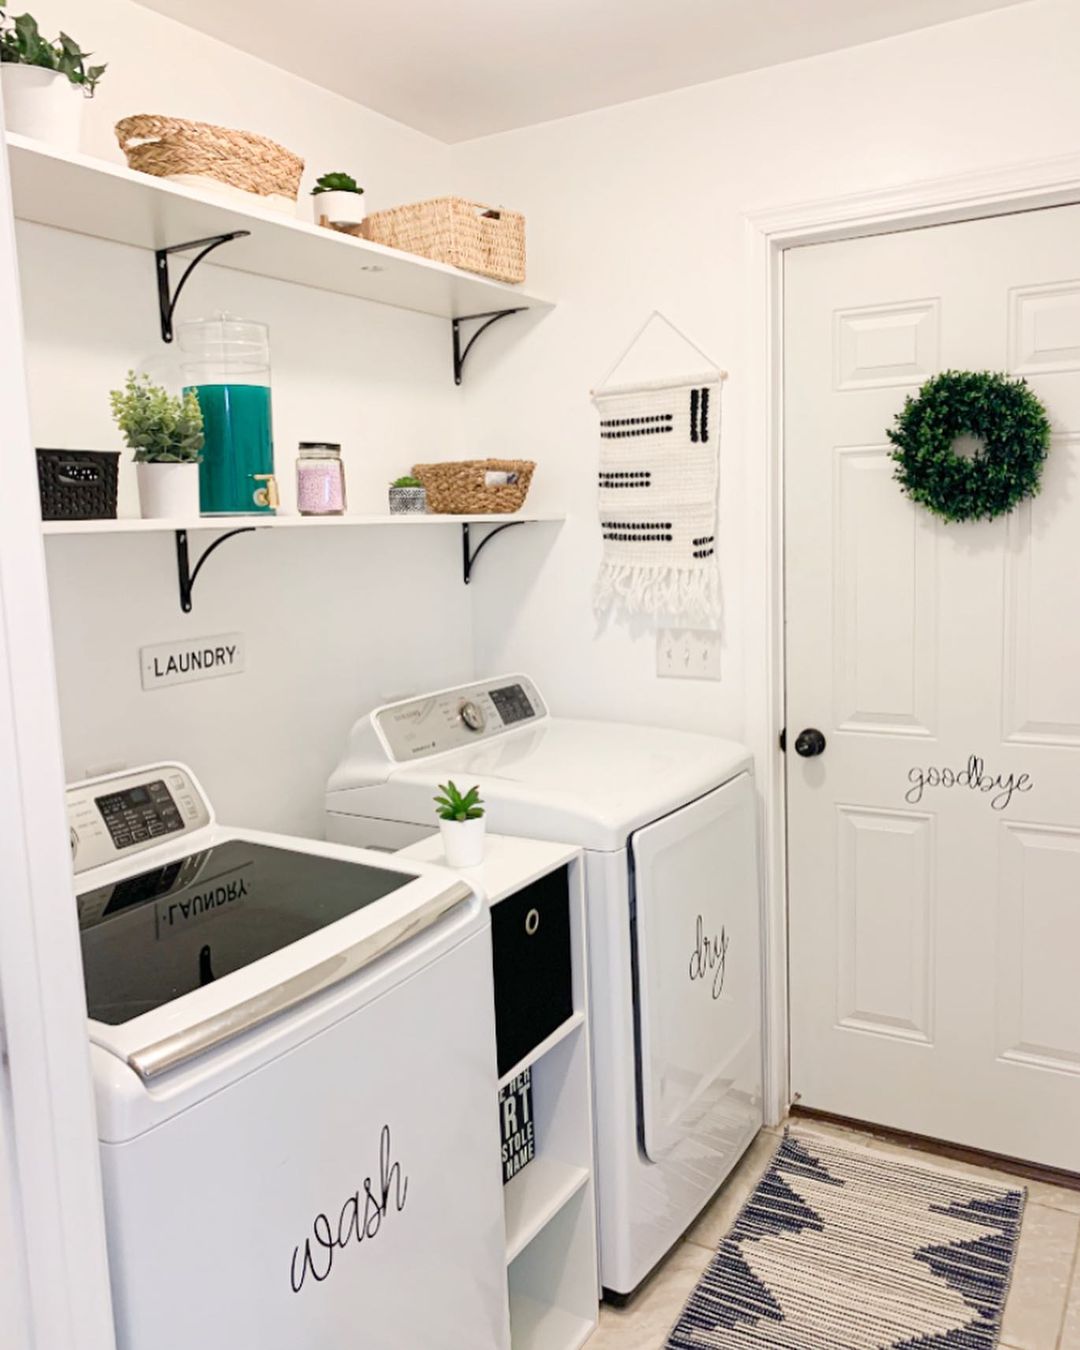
659	475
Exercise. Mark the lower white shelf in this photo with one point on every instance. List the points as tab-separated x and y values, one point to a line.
535	1196
539	1326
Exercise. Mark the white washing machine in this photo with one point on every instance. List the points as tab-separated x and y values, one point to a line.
668	822
293	1051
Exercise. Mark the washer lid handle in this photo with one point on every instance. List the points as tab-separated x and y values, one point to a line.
170	1052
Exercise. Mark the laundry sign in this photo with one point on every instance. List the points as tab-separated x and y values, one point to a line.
192	659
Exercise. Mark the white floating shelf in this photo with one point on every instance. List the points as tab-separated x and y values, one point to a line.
136	525
110	201
535	1196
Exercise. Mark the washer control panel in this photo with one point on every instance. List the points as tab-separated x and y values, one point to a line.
435	723
112	817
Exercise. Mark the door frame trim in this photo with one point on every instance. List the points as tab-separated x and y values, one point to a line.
767	235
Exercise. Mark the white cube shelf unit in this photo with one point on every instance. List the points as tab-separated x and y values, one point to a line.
550	1205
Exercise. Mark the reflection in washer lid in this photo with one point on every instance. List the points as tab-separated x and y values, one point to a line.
149	938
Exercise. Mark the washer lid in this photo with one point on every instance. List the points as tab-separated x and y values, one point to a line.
179	925
586	782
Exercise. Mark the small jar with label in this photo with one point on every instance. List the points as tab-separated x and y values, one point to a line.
320	479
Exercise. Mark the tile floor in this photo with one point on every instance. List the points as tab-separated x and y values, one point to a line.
1043	1312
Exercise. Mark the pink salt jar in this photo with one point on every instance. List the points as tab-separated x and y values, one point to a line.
320	479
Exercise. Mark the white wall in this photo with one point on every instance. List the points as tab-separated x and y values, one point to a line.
335	621
629	208
641	206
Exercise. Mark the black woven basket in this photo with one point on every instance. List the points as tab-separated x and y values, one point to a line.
78	484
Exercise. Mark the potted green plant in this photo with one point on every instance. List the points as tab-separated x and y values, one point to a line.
166	432
338	200
461	821
44	82
408	497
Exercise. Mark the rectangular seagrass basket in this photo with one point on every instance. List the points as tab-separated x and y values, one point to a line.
484	239
460	488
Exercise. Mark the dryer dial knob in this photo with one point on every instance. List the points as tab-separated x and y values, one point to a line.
472	716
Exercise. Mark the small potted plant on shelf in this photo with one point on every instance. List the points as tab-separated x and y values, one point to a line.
166	432
43	82
338	201
408	497
461	821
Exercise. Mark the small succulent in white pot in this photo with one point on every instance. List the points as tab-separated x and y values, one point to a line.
408	497
43	82
462	823
166	432
339	200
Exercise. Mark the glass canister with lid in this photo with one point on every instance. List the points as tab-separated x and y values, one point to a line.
320	479
226	361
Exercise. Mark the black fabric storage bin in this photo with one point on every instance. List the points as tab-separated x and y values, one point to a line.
78	484
530	938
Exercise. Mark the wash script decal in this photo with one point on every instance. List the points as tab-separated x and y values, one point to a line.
708	960
359	1219
974	778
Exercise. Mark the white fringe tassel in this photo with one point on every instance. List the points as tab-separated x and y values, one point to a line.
692	594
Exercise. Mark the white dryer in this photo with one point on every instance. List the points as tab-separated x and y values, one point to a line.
293	1050
668	822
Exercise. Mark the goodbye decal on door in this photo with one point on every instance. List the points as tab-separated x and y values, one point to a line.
974	778
709	958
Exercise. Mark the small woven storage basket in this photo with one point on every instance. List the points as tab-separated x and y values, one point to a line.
458	488
78	484
167	146
484	239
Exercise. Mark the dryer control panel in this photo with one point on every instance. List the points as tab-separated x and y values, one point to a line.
121	814
435	723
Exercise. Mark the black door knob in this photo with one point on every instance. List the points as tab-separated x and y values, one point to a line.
809	743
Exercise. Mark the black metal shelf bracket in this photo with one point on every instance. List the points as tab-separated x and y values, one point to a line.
490	317
185	573
469	555
167	297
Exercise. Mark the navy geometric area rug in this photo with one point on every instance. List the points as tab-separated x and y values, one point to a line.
840	1248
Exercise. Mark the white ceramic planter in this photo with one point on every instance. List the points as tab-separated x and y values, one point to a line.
339	208
463	841
168	491
43	104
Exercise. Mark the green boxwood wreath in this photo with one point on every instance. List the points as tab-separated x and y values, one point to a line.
1002	413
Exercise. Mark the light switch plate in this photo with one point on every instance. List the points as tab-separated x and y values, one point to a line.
688	654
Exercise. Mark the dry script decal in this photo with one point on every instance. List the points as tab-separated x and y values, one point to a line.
708	960
974	777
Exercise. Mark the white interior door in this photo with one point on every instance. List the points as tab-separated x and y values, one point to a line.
934	926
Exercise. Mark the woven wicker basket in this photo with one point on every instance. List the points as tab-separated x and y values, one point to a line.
477	238
170	146
458	488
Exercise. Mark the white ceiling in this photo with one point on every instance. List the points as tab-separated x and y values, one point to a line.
463	68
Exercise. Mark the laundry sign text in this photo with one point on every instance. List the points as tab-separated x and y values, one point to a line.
192	659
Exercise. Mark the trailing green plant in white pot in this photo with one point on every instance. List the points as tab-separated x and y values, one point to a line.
462	823
166	432
44	82
339	200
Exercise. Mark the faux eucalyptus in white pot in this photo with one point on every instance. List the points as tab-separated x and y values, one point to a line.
166	432
462	823
44	82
